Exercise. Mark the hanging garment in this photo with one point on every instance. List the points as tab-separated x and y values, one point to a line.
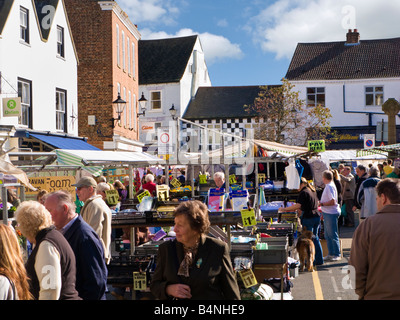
292	177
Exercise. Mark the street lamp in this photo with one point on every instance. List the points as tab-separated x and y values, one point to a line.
119	105
172	111
142	105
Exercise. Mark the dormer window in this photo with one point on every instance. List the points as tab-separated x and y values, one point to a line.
24	24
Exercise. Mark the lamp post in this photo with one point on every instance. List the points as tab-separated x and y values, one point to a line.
142	105
119	106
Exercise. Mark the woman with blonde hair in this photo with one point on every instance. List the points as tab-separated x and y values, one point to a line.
51	266
13	279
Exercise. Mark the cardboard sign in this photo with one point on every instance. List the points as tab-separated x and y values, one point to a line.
139	280
261	177
248	217
232	179
162	192
248	278
112	197
202	179
176	183
51	184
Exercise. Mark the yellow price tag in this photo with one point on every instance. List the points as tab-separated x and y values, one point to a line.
232	179
202	178
261	177
248	217
175	182
139	281
112	197
248	278
145	193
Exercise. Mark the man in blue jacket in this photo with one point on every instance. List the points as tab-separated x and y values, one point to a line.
91	269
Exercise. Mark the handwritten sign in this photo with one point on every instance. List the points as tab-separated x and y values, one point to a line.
51	184
248	278
112	197
162	192
248	217
139	280
145	193
261	178
232	179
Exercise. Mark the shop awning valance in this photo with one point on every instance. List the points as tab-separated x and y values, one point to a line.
63	142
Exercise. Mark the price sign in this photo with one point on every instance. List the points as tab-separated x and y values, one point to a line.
202	178
248	278
162	192
248	217
175	182
232	179
139	281
261	177
112	197
146	193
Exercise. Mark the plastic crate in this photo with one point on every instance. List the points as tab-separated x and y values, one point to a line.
274	254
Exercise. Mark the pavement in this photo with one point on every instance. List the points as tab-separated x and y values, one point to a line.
330	281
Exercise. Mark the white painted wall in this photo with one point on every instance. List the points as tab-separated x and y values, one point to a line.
38	62
348	106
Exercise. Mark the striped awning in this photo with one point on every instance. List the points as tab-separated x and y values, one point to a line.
94	161
382	150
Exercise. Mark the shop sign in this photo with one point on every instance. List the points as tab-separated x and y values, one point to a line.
51	184
11	107
148	127
316	145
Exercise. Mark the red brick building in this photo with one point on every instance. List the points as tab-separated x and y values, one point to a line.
107	45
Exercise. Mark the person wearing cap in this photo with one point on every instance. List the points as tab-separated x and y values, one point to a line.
95	212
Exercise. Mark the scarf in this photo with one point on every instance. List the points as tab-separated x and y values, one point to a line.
187	261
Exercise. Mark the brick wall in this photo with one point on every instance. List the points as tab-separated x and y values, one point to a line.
95	39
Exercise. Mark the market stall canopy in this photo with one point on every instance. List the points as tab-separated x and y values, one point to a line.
95	160
6	167
348	155
63	142
381	150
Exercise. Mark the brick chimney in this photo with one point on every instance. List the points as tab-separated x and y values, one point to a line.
352	37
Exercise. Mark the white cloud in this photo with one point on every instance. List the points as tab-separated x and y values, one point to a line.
216	47
279	27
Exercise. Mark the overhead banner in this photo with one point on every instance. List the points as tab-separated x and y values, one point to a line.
11	107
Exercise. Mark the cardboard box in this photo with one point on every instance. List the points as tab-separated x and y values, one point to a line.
325	251
266	271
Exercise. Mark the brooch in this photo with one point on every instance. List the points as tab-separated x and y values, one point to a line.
198	263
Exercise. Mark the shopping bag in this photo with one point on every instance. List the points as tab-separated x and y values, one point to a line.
343	211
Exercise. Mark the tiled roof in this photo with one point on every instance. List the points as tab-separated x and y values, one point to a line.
164	60
221	102
336	60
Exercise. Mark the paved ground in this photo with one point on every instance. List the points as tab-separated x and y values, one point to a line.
331	280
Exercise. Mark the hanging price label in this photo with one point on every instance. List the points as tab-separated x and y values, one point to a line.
139	281
145	193
248	217
248	278
162	192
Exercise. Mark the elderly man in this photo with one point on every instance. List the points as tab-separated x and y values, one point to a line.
375	253
91	269
367	194
95	212
219	179
348	188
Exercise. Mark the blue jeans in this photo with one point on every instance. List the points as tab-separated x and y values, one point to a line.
314	224
331	233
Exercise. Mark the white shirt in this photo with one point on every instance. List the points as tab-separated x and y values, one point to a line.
329	193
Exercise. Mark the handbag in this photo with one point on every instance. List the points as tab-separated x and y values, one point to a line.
343	210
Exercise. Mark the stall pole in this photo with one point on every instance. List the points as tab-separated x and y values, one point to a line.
4	198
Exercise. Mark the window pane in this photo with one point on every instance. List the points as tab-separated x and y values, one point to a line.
378	89
378	99
321	99
369	89
310	100
321	90
155	95
156	104
310	90
369	99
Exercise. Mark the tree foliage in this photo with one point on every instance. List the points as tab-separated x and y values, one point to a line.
284	118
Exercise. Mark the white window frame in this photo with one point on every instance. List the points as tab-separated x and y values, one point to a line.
315	94
134	115
60	42
125	111
61	110
133	59
128	46
24	25
123	51
118	46
26	101
153	100
374	93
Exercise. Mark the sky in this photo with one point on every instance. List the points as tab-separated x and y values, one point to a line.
251	42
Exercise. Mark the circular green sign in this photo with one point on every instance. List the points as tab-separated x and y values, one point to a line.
11	104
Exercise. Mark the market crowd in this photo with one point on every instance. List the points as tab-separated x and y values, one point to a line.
71	239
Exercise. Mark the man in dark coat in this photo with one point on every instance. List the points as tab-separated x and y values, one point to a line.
91	269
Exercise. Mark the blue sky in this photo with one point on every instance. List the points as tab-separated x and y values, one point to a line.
251	42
